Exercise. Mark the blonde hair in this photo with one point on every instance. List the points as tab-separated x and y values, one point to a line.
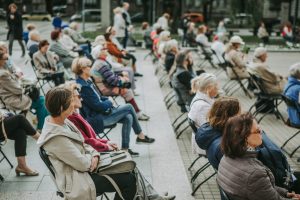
200	83
79	63
30	27
34	35
73	25
70	85
170	44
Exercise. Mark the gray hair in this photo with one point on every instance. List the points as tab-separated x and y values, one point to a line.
33	33
295	70
170	44
164	36
200	83
96	51
67	31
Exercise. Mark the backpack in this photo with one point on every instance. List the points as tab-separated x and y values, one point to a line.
272	157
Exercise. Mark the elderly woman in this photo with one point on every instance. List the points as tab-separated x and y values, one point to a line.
111	83
33	42
115	51
94	103
47	65
74	161
181	79
12	94
171	49
191	35
65	56
273	83
292	90
30	27
75	34
205	87
201	38
164	37
17	127
241	175
236	58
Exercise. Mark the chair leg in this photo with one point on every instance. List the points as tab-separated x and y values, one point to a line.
173	124
182	131
190	167
289	139
291	155
199	171
5	157
199	185
172	103
1	178
180	124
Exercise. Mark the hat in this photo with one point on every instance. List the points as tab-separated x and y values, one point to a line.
99	40
258	52
236	39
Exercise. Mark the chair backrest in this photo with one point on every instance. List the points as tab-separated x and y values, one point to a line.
223	194
289	102
192	125
258	82
45	158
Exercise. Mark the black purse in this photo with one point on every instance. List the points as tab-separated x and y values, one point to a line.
33	92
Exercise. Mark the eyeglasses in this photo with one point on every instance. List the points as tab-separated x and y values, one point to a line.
258	131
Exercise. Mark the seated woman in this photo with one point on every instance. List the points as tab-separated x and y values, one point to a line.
181	79
94	104
74	161
110	83
241	175
75	34
115	51
236	58
65	56
205	86
164	37
171	50
272	82
33	42
12	94
190	35
292	90
202	39
17	127
46	64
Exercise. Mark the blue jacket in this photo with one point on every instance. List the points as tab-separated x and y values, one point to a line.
93	104
292	90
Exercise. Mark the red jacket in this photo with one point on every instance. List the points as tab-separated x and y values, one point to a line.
113	50
88	133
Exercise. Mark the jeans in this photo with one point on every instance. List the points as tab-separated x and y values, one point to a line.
125	115
41	111
125	181
17	127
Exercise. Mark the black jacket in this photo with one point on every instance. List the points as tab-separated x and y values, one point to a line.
15	26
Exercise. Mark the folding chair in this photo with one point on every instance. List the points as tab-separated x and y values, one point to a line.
207	56
292	104
261	93
4	158
106	131
223	193
45	158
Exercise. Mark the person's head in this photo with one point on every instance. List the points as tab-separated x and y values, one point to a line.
166	15
191	26
12	8
30	27
222	109
67	31
81	66
126	6
202	29
165	36
240	133
59	102
145	25
74	26
171	46
221	23
108	36
261	54
3	58
205	83
99	40
117	10
184	59
55	35
294	70
262	24
99	52
43	46
75	89
111	30
34	35
3	46
236	41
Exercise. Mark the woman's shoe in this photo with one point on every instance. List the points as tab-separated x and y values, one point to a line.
27	173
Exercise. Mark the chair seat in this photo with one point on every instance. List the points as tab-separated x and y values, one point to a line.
110	126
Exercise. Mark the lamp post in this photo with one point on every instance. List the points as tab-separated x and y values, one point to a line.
83	15
295	18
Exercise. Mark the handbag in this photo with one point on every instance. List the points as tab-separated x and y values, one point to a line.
115	163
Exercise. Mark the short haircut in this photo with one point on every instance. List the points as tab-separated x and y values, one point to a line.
34	35
2	53
73	25
12	5
43	43
294	70
221	110
181	58
235	134
30	27
55	34
79	63
58	100
201	82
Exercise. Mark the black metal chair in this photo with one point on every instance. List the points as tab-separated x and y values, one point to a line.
4	158
223	193
208	56
262	94
45	158
106	131
292	104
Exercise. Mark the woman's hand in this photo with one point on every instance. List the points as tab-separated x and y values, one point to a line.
112	146
94	163
293	195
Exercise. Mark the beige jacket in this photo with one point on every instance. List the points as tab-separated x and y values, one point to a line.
239	64
272	82
71	159
11	92
41	64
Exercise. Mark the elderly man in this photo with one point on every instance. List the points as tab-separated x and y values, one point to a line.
272	82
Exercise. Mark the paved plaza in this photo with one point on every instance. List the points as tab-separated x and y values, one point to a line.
166	161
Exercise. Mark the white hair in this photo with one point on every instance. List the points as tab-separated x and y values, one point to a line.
73	25
170	44
200	83
3	44
164	36
294	70
33	33
67	31
96	51
99	40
